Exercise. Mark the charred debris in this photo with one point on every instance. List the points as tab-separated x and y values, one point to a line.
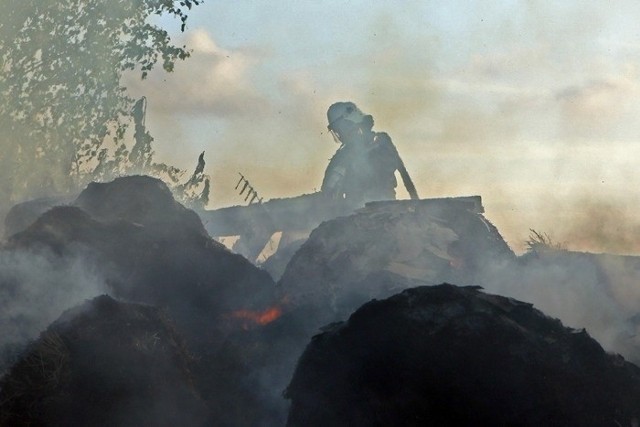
357	326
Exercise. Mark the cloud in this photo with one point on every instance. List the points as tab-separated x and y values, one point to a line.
598	105
213	82
513	62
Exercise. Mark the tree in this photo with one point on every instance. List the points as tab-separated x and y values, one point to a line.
63	110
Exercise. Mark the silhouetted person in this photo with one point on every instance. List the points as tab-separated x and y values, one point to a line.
363	168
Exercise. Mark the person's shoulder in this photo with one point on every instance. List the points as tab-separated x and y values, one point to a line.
382	138
339	155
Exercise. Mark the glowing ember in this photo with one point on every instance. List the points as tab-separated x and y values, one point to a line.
258	317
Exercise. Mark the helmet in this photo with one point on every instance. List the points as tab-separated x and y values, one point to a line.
344	110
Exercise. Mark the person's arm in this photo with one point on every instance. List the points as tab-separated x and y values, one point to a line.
404	174
334	176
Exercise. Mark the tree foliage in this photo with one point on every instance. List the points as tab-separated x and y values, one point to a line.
63	110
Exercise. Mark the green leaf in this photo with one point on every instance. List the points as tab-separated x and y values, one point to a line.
62	104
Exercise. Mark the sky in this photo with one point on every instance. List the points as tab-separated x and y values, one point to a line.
533	105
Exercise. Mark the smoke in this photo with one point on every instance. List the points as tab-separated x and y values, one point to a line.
35	288
215	102
470	93
601	107
569	288
603	226
524	105
516	110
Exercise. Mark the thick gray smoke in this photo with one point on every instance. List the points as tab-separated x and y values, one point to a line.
34	290
571	290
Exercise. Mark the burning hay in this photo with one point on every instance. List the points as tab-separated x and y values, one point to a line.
446	355
238	335
103	363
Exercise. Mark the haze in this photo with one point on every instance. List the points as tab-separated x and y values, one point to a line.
532	105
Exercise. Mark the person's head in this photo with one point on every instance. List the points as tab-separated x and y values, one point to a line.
346	120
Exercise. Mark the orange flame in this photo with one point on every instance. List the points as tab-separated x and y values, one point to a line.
257	317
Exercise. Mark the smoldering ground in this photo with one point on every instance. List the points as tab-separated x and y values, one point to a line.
165	258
